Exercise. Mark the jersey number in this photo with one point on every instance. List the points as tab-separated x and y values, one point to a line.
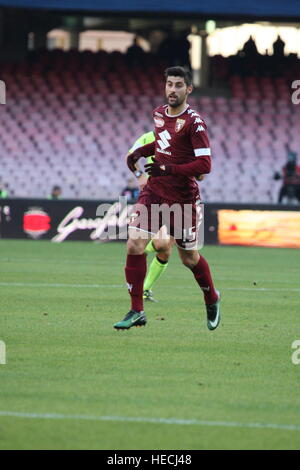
189	235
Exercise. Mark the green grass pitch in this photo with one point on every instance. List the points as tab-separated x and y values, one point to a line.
67	367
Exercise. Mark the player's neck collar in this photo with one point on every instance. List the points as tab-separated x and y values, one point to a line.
176	115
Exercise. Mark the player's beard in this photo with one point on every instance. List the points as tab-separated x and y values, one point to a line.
177	102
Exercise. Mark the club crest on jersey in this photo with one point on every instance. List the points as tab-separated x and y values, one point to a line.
159	122
179	124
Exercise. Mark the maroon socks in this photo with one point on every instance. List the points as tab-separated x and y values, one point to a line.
202	275
135	272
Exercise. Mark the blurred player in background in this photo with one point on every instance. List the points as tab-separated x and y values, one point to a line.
131	191
161	245
182	152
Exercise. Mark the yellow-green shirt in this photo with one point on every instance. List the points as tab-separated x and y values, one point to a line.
145	139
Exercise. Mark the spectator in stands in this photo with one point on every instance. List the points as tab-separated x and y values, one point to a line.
167	49
250	49
55	193
175	49
183	50
135	54
290	190
278	47
131	191
3	192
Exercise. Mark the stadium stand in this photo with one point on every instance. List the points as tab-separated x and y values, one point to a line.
72	116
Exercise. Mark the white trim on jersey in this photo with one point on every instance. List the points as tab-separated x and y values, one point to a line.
202	152
175	115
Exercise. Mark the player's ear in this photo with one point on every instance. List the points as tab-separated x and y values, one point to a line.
189	89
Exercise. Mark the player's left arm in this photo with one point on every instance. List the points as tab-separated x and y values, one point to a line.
201	147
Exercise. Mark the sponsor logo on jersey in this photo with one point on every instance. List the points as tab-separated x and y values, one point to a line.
164	151
164	139
158	114
200	129
179	124
193	113
159	122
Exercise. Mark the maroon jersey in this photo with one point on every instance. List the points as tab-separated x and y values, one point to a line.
179	139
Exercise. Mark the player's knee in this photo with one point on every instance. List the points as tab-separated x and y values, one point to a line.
163	255
135	246
163	248
188	263
190	259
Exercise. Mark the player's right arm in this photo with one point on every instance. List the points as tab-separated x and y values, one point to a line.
145	151
146	138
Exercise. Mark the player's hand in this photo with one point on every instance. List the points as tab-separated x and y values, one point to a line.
158	169
131	159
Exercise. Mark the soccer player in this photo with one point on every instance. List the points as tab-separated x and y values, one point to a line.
161	245
182	152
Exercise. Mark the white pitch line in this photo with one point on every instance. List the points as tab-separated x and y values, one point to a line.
77	286
262	289
172	421
121	286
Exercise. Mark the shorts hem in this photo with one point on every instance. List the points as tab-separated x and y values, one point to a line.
142	230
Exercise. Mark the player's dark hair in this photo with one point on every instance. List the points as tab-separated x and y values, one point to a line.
179	72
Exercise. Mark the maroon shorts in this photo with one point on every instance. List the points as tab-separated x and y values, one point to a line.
183	221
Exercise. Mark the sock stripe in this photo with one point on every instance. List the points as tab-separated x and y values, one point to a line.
161	261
